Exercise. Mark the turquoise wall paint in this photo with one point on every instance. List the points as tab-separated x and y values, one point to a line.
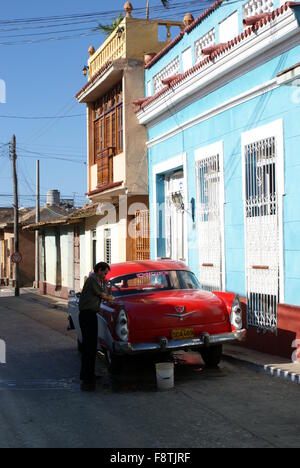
284	103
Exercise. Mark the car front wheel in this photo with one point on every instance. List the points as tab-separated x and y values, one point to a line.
212	356
114	363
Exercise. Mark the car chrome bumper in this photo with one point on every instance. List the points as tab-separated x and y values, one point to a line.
164	344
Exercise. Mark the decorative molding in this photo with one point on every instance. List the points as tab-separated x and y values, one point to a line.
257	7
212	112
172	69
267	42
206	40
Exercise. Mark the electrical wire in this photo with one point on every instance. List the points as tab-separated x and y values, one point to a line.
40	117
172	11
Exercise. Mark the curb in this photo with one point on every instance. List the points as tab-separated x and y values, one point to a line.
45	302
268	369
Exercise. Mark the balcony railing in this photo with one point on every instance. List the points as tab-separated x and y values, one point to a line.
112	49
133	41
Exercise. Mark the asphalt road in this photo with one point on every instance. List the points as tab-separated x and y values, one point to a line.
41	404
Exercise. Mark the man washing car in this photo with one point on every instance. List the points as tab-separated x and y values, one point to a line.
94	291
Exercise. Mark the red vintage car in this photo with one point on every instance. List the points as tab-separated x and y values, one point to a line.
160	307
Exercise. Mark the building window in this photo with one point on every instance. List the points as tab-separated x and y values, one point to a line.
173	68
108	123
207	40
107	246
108	133
229	28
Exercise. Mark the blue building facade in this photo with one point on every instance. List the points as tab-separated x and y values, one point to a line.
222	110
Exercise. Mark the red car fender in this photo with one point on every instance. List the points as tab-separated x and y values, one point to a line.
228	299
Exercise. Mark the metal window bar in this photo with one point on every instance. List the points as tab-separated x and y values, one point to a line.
107	246
209	223
262	233
142	235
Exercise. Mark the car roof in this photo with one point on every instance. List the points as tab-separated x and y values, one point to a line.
127	268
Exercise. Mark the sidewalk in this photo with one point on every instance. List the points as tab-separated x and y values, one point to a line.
33	295
272	365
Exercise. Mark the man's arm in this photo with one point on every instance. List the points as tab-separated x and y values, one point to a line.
100	292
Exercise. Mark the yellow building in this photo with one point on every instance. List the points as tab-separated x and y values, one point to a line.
117	173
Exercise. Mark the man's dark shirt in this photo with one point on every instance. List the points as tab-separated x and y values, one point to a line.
90	297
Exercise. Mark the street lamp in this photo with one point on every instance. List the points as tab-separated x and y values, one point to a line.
120	31
85	70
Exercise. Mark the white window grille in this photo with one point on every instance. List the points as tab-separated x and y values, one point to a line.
174	216
257	7
207	40
173	68
262	233
107	246
210	211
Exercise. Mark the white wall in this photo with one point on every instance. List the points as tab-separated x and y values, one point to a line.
50	256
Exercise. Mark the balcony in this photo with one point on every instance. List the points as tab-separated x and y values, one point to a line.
112	49
134	38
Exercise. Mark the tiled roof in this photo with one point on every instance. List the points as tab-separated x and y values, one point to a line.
187	30
222	50
6	214
47	213
64	218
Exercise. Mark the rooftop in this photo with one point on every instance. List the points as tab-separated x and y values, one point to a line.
219	51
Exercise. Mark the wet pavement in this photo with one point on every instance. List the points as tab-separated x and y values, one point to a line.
41	404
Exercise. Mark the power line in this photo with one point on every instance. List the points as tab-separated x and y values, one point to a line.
41	117
175	10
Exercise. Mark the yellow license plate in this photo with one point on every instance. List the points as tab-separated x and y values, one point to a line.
183	333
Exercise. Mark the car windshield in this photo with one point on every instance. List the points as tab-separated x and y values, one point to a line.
151	281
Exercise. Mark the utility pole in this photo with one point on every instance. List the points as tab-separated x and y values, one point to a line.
37	220
13	157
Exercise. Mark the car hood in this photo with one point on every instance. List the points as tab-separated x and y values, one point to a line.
174	308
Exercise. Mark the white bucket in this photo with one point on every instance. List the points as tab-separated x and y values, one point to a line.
165	375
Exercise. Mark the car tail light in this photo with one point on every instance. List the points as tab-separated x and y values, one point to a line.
122	330
236	317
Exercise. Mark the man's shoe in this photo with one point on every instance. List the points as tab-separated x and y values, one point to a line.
87	386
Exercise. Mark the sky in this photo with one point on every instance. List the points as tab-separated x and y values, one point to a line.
41	80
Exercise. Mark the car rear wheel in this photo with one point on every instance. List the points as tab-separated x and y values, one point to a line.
212	356
114	363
